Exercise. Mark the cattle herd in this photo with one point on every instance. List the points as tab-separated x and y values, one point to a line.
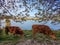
44	29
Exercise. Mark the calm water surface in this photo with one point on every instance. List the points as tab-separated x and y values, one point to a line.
28	24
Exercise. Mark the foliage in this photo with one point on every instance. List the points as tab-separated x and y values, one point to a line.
45	8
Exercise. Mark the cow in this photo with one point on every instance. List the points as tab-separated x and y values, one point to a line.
44	29
14	30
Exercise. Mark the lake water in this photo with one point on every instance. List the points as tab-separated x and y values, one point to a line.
28	24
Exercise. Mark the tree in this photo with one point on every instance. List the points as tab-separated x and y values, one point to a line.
45	8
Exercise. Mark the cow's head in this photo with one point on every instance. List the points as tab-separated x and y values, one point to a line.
52	35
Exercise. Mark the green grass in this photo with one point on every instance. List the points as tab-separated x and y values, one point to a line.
28	35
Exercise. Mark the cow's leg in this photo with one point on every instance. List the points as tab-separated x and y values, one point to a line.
22	37
21	33
6	30
14	32
34	33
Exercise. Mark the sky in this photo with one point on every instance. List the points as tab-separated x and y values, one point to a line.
19	9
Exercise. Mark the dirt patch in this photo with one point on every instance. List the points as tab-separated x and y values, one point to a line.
35	42
32	42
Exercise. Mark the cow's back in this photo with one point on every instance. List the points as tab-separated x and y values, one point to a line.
40	28
13	29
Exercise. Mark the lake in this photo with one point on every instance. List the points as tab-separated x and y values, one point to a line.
27	25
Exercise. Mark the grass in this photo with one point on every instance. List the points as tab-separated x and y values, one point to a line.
28	35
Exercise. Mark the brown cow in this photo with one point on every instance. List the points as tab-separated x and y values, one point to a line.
14	30
42	29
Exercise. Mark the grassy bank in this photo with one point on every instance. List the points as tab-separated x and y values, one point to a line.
28	35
